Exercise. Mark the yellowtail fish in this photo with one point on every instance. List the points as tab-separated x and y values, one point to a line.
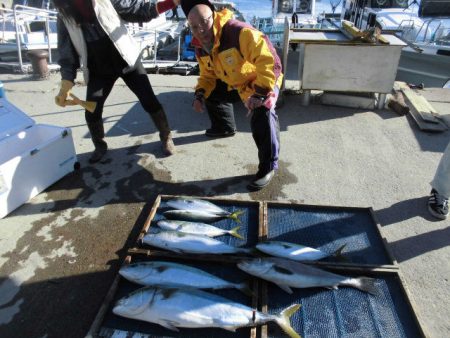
201	215
188	243
187	203
168	274
197	228
294	251
287	274
181	308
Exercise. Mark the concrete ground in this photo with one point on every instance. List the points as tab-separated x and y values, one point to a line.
60	252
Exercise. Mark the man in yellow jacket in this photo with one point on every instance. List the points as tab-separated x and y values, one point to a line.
236	62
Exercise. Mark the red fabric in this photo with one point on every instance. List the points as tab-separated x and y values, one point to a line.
164	6
86	11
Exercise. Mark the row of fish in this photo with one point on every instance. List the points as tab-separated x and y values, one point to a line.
172	298
282	272
188	238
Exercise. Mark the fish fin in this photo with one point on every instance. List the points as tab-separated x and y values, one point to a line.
338	253
233	232
283	320
234	215
366	284
245	289
168	325
285	288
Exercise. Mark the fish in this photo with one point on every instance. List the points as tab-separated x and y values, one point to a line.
201	215
180	242
159	273
187	203
198	228
182	308
295	252
287	274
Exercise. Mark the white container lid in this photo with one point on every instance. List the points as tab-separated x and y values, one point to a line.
12	119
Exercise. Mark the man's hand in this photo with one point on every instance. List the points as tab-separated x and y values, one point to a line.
254	102
62	98
199	101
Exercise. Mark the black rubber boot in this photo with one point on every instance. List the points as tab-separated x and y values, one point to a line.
165	135
97	135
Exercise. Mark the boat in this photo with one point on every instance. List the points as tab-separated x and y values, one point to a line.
300	14
426	30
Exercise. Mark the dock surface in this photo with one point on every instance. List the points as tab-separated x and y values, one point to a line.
60	251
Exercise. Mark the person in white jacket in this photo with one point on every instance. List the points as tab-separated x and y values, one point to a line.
92	36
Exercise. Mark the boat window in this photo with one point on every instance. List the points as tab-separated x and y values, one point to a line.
389	3
37	26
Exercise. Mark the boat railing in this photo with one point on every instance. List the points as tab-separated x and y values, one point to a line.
152	43
433	31
20	12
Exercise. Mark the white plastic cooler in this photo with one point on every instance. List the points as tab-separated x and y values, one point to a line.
32	156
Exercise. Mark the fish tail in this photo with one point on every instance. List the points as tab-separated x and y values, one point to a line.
245	289
338	253
234	215
283	320
233	232
365	284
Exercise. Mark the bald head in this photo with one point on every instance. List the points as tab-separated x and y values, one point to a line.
200	20
199	11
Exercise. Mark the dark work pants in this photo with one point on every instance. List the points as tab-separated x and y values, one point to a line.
100	86
264	124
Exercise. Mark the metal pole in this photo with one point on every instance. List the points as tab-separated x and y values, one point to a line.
179	48
19	47
155	47
47	31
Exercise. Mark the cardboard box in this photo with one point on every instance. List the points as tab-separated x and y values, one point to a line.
32	156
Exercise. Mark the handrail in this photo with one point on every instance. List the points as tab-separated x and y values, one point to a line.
21	9
155	32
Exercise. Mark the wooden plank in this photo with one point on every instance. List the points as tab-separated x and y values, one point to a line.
423	113
421	105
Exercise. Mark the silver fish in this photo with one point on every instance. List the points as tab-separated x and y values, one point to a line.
287	274
188	243
197	228
167	274
201	215
294	251
187	203
180	308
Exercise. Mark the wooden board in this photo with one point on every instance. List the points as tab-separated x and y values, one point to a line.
422	111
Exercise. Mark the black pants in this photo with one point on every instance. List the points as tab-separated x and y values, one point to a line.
100	86
264	124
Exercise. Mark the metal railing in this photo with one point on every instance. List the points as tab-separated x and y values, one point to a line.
45	14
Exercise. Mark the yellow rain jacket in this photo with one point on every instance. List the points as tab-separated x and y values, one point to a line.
242	57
